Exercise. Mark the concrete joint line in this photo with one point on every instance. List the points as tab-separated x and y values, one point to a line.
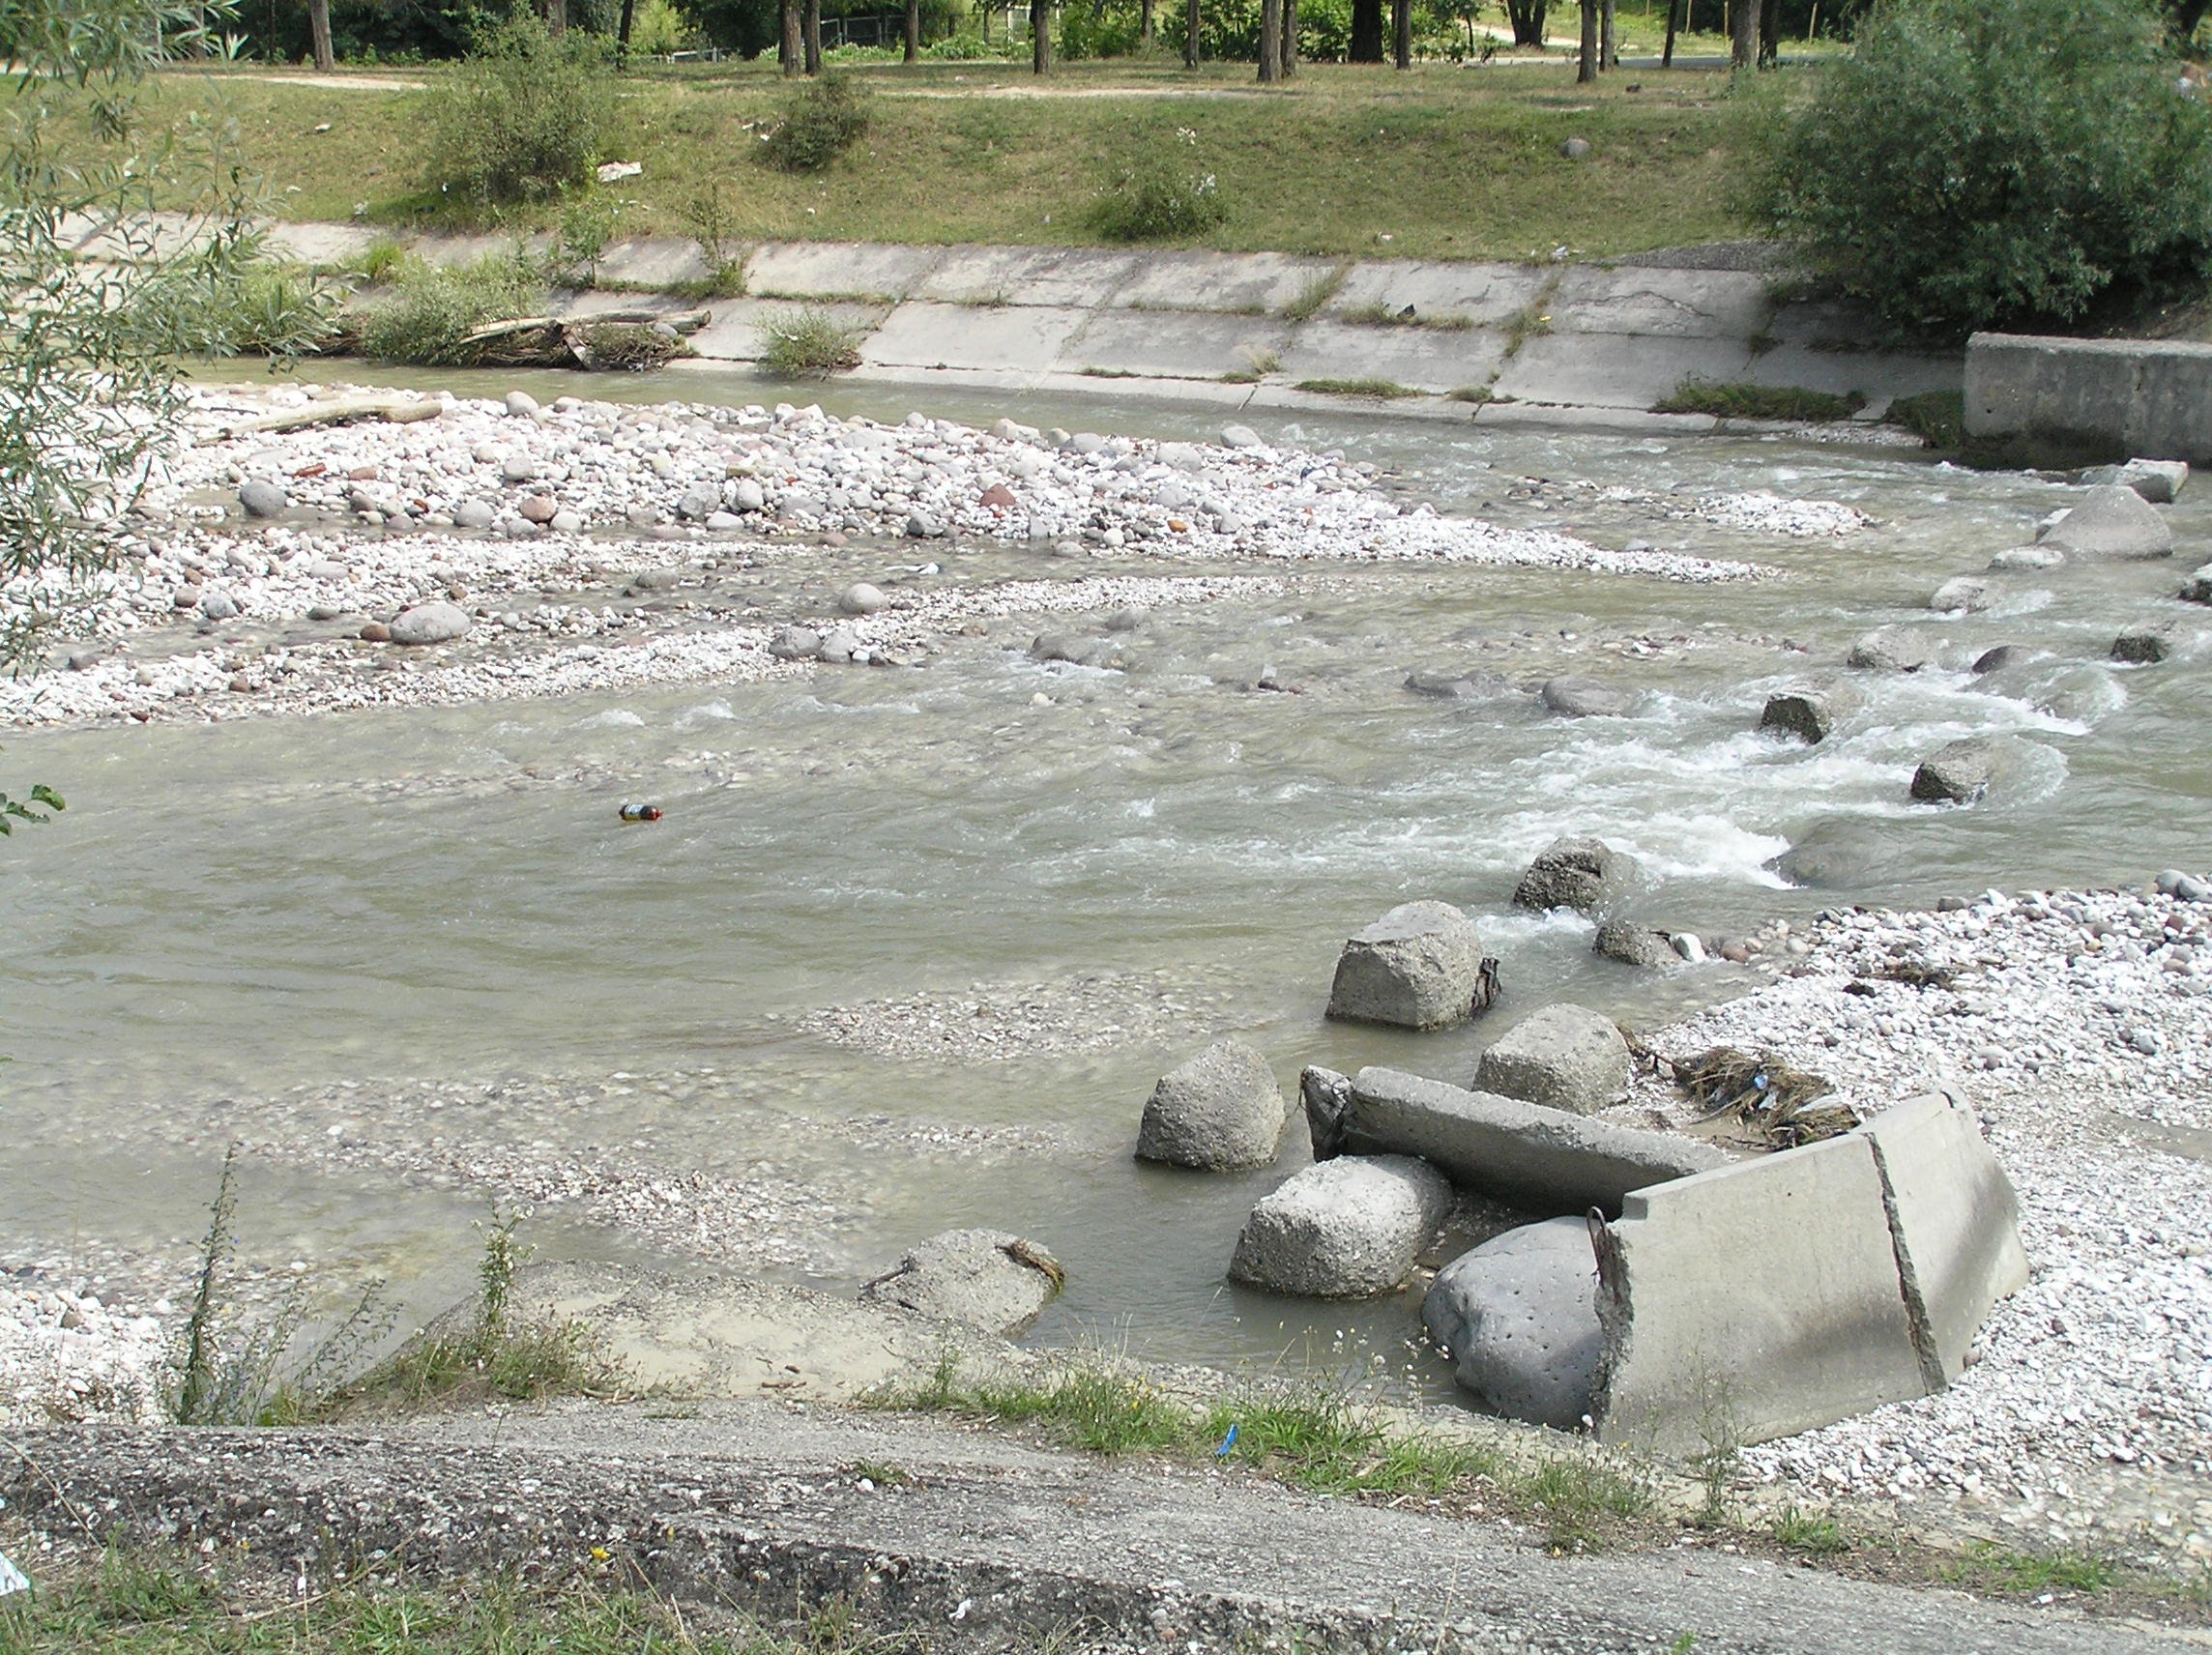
1908	1279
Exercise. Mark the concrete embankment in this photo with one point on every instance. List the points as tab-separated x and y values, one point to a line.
973	1540
2032	400
1499	343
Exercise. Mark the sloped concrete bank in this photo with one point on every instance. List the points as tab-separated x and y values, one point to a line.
984	1543
1501	344
2032	400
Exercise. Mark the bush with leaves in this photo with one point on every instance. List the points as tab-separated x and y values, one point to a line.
1166	196
1997	161
520	121
820	122
433	307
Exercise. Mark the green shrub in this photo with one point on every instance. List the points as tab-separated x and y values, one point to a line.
521	120
1165	196
435	307
1937	418
1988	162
581	234
808	344
823	120
1745	401
713	225
239	301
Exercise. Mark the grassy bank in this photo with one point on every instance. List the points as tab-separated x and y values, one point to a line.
1439	162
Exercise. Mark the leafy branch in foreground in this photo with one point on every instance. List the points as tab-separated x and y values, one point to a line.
14	810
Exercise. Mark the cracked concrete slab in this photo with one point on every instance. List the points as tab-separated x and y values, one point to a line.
1030	275
1616	370
1661	303
1428	359
653	261
1487	294
1173	344
830	270
1018	339
1219	281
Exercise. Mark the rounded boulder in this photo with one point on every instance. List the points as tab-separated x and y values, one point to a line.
1216	1112
1518	1318
986	1278
1348	1227
1417	967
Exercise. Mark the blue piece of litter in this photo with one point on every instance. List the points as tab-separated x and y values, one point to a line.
1227	1443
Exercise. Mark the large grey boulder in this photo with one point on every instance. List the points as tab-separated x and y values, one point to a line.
1838	854
1216	1112
1793	1289
986	1278
1518	1318
1958	772
1348	1227
2156	481
1564	1056
1538	1159
1577	697
1890	649
1806	712
2112	522
262	497
1584	874
439	623
1417	967
1634	944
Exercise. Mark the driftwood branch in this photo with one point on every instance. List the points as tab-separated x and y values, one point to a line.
343	411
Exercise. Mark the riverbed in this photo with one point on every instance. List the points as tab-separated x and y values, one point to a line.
912	940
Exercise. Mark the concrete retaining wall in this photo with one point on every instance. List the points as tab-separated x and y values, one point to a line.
2047	401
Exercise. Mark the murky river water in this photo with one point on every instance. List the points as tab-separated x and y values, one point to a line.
228	912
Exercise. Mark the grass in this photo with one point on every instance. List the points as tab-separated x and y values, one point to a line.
1446	163
1381	315
1478	394
2008	1573
1307	303
167	1604
1384	390
1758	401
1937	418
809	343
1809	1534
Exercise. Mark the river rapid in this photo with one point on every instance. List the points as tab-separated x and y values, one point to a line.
910	947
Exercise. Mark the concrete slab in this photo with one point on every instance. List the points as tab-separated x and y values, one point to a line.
1661	303
1173	344
467	249
1954	1221
1428	359
1487	294
1830	322
1612	371
328	244
1028	275
653	261
1840	372
1029	339
1631	421
1749	1304
839	269
599	302
735	333
1434	410
1243	282
1204	392
1541	1160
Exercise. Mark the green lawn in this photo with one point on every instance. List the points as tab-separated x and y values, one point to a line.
1442	161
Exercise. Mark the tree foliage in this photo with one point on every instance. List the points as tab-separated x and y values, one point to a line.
521	119
1998	162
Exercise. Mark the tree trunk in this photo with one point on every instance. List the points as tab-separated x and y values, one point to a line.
1190	26
1585	70
1040	37
557	18
1770	33
319	25
1148	25
912	30
1673	11
1608	37
1401	32
811	28
1270	38
1290	38
1366	32
1528	19
1743	34
621	32
789	55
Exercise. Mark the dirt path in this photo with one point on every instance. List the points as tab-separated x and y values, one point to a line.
973	1539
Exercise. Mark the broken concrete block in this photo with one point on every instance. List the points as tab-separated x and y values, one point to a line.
1541	1160
1752	1303
1417	967
1562	1055
1954	1221
1345	1229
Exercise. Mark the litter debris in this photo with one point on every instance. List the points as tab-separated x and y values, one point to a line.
1782	1106
640	813
615	172
12	1579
